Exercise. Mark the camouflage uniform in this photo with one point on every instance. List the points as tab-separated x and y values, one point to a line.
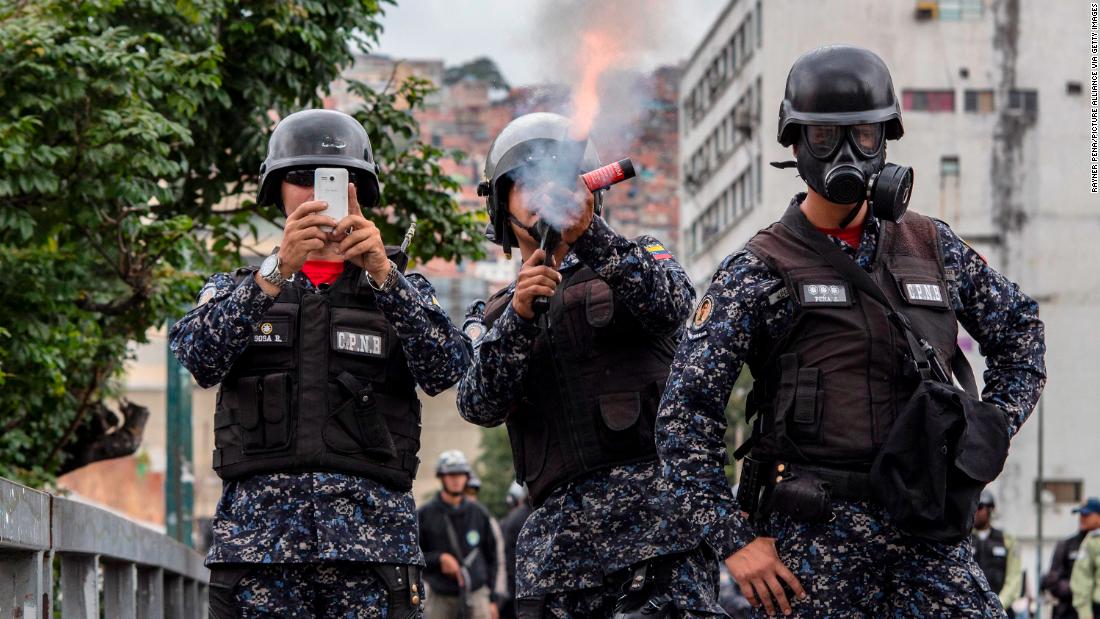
611	519
310	518
859	560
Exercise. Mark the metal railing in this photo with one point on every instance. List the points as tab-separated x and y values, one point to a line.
144	573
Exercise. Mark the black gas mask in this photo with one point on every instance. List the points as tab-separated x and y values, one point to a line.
846	164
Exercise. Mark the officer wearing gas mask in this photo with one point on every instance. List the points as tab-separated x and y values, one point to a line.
318	353
578	387
832	357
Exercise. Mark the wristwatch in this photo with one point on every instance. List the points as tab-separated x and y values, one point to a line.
391	277
269	270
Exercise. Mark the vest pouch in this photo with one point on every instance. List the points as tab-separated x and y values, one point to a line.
357	426
530	438
276	410
263	412
599	304
799	401
942	450
619	415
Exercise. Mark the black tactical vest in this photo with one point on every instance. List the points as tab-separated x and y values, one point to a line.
828	390
991	555
594	381
323	386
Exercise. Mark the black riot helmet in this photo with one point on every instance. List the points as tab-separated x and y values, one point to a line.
840	107
319	138
538	143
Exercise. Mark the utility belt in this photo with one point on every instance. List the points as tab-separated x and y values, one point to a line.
644	591
802	491
405	589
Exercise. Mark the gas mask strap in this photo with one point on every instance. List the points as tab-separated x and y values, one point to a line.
850	216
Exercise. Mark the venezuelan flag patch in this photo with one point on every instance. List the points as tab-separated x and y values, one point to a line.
658	251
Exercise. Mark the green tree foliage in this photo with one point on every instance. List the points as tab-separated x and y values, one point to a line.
495	469
128	126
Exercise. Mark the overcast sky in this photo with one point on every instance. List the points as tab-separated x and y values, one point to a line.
508	31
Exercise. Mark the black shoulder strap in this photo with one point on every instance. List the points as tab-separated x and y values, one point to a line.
452	537
923	354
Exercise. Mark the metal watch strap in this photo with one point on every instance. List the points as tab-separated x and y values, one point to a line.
276	278
391	277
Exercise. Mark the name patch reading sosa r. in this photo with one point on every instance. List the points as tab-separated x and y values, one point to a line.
824	293
272	332
361	343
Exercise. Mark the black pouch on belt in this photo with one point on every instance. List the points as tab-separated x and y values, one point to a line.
802	496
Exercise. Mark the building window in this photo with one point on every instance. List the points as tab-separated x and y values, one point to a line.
929	100
949	166
759	180
759	24
1066	491
1024	100
979	101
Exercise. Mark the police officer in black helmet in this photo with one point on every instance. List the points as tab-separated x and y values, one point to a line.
318	354
578	388
846	310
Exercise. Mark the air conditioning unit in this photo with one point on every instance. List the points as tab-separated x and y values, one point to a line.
927	10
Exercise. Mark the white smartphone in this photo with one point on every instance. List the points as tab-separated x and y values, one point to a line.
331	185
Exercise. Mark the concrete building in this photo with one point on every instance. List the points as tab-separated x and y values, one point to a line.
996	122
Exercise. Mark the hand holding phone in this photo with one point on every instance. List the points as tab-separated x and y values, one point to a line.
330	185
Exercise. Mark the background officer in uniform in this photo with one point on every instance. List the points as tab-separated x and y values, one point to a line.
1056	581
318	353
830	367
1084	580
578	387
520	509
996	553
460	546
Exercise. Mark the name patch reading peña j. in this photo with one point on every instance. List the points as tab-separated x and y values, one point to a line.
824	293
924	292
358	342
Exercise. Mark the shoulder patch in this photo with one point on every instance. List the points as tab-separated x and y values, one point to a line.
976	252
703	312
658	251
474	329
208	291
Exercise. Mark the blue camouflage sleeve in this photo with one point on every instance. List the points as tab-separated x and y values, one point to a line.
1005	323
642	272
436	351
691	422
493	383
210	337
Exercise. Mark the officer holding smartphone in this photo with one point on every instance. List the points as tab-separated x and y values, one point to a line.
318	354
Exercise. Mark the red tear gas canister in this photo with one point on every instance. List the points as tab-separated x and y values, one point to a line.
608	175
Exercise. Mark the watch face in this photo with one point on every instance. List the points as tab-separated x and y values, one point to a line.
269	265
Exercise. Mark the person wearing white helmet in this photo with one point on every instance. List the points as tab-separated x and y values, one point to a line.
460	547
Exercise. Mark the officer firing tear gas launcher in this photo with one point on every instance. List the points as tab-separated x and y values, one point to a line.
578	384
318	353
